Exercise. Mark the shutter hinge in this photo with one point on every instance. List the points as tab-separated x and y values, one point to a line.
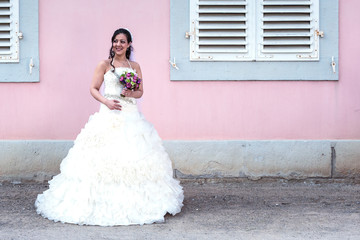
319	33
20	35
188	34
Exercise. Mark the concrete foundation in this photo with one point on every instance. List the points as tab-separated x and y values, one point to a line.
39	160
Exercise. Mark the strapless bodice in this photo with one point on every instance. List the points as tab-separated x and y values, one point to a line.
113	87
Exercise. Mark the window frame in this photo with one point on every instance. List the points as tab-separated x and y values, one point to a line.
27	68
182	69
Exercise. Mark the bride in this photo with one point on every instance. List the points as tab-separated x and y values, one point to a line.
117	172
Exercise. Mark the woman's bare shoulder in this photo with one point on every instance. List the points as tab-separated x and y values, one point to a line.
135	66
104	65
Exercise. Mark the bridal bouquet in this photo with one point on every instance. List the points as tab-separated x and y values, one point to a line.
130	81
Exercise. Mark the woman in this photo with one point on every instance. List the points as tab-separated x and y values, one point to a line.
117	172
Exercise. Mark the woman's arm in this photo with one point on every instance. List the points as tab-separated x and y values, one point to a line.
96	82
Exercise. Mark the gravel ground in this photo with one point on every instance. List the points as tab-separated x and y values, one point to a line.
213	209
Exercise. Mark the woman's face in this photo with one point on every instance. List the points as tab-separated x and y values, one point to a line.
120	44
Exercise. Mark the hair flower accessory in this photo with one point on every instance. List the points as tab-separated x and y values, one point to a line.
130	81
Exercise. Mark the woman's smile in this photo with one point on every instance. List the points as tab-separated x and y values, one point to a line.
120	44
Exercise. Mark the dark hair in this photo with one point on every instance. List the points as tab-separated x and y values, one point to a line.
129	39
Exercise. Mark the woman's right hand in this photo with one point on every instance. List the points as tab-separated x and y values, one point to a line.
113	104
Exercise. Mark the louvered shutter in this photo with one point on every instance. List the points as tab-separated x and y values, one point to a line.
220	30
288	30
9	28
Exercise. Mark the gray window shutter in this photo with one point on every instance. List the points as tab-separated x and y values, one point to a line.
9	29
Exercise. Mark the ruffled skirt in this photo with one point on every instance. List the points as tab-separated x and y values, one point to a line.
117	173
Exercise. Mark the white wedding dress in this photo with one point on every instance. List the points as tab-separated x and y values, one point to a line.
117	172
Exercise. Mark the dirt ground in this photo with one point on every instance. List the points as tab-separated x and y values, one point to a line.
213	209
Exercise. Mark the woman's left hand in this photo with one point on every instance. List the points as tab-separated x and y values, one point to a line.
126	92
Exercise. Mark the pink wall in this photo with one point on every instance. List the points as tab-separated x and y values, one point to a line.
74	39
